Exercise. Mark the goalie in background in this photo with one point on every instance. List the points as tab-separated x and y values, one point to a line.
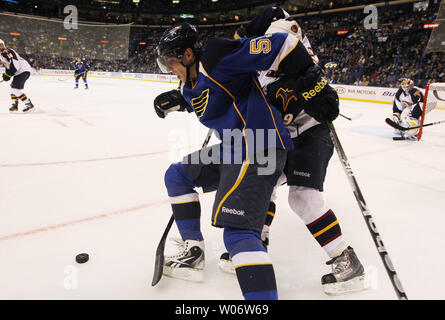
407	108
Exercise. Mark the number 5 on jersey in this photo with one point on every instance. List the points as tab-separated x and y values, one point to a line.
259	45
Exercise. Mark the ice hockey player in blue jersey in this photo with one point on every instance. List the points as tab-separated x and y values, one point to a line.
19	70
218	83
81	68
407	108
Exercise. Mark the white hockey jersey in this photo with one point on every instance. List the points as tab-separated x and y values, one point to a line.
14	63
302	121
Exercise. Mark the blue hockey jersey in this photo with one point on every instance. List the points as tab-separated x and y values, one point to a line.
227	95
81	67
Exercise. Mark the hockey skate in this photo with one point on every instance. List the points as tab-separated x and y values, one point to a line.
225	263
29	107
188	263
347	275
14	107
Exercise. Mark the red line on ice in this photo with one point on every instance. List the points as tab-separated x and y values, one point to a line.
74	222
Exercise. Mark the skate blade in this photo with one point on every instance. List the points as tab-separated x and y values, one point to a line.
30	110
353	285
189	274
226	266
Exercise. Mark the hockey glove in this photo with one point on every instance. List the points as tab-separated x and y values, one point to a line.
318	98
170	101
6	77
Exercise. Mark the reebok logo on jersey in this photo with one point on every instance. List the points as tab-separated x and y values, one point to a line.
303	174
233	211
313	92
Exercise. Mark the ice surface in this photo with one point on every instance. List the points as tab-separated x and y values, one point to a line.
84	173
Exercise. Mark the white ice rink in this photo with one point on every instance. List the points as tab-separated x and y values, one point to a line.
84	173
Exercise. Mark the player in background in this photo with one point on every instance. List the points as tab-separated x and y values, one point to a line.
307	163
407	108
80	71
19	70
219	83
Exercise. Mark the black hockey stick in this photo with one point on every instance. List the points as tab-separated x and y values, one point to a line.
350	118
367	216
397	126
159	259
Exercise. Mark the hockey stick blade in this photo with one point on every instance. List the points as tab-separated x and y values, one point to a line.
159	259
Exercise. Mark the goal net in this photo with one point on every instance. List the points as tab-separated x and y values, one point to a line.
434	99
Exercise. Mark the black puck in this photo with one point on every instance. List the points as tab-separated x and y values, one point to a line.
82	257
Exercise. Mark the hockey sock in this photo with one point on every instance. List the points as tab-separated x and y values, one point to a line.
184	201
252	264
326	230
24	98
322	223
269	218
14	98
188	218
270	214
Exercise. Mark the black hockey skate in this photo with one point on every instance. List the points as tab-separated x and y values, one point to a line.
347	275
188	263
29	107
14	107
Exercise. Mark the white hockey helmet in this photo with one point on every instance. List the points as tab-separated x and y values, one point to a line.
285	26
407	84
2	42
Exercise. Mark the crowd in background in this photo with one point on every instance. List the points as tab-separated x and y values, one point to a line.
368	57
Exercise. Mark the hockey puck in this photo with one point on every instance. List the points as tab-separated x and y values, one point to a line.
82	257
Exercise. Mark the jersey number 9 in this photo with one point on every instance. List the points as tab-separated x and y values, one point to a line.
288	118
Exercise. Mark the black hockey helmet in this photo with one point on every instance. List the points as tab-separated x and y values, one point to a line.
175	40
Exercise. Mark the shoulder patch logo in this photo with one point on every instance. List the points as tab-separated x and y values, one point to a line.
286	96
200	103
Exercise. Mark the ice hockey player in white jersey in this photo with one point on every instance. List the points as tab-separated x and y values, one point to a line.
306	165
19	70
407	108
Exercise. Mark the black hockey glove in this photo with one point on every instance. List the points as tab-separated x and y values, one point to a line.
319	99
170	101
6	77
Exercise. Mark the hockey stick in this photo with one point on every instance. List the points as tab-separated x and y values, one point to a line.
367	216
159	259
351	118
399	127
